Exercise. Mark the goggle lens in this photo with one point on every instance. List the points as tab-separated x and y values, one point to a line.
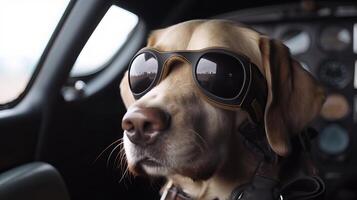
220	74
143	71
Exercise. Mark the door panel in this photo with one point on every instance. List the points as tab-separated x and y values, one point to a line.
43	125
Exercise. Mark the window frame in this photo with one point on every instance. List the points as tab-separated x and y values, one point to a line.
105	74
99	69
89	75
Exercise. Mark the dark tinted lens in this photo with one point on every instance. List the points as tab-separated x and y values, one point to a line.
220	74
143	71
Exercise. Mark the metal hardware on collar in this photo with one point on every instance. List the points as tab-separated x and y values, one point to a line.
171	192
260	188
241	195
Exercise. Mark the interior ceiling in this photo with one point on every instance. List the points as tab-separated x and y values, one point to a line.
160	13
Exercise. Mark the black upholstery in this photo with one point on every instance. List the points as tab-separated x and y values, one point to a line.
33	181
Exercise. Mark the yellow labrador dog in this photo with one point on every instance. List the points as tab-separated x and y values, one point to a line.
179	126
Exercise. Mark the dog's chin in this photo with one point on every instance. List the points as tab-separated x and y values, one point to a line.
155	171
148	167
189	161
200	169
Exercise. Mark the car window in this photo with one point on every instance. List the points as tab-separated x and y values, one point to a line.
25	29
106	40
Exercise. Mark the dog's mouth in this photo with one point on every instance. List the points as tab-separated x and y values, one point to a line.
149	162
149	166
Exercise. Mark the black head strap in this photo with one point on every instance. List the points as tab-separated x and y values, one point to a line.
255	100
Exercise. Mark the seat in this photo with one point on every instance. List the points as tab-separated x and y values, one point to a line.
33	181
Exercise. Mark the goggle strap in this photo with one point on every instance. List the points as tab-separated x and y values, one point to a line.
255	101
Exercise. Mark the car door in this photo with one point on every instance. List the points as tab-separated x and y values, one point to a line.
70	109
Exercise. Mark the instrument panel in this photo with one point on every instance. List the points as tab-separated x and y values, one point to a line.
323	38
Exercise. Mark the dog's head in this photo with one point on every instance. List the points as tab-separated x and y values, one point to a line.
173	130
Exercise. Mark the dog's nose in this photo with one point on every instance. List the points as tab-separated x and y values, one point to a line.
144	125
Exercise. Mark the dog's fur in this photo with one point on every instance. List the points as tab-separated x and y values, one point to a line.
201	151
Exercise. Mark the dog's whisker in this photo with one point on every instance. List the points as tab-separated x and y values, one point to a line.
123	175
126	176
199	146
107	148
122	161
204	143
130	178
111	153
116	160
199	136
122	149
118	157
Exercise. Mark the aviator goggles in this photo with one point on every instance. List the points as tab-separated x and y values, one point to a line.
225	78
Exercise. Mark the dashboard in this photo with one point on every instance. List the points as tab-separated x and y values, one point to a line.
323	38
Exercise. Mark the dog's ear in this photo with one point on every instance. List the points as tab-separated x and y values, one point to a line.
294	97
125	92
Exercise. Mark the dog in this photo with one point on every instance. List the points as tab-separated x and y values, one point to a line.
197	145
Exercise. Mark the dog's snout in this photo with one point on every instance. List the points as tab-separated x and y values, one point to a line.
144	125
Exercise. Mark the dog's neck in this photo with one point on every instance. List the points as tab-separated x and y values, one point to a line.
237	169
